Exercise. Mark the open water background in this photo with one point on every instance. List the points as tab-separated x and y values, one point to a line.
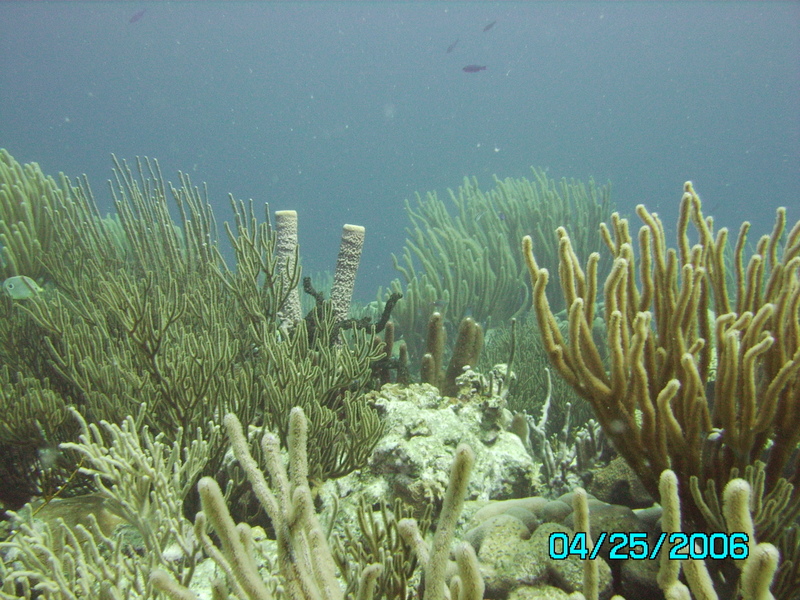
344	110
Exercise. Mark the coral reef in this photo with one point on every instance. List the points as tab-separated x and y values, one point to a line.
504	549
137	338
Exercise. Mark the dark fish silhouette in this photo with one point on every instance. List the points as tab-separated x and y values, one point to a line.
137	16
489	26
452	46
474	68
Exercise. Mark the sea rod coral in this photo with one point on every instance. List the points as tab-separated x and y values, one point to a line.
656	395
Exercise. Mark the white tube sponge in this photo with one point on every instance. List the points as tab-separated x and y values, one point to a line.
344	278
286	253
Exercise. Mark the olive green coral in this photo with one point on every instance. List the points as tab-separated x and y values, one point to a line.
141	307
529	391
378	541
26	230
468	265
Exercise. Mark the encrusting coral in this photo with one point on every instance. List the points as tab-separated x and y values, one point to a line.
653	394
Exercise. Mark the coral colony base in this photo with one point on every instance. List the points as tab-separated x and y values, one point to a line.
175	427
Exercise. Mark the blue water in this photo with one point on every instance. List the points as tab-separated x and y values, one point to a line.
343	110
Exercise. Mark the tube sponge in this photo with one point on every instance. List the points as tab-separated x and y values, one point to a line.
344	278
286	253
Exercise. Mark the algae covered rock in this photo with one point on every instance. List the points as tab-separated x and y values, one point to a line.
412	460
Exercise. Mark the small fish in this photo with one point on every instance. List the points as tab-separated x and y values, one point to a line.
439	305
474	68
21	287
489	26
424	311
452	46
136	16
